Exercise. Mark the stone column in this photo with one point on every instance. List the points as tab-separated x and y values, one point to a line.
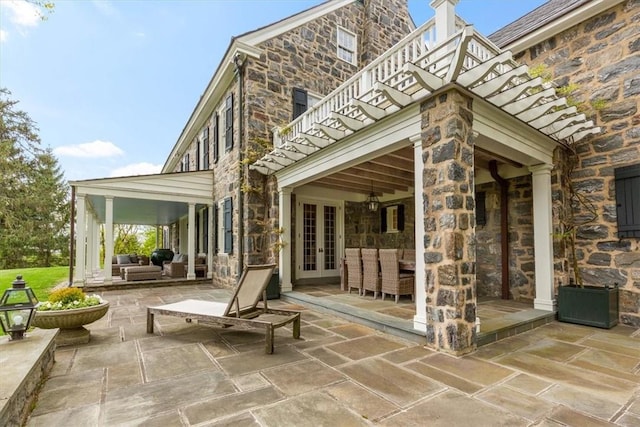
108	239
449	227
284	220
81	244
543	237
420	318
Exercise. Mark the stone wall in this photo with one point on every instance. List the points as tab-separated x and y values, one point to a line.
362	230
601	57
521	252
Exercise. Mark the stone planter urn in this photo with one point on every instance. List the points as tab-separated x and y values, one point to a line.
70	322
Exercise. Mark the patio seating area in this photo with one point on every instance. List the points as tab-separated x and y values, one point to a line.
338	373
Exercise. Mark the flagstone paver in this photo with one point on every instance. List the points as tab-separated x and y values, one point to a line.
338	374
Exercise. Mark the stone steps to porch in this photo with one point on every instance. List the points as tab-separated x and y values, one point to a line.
492	329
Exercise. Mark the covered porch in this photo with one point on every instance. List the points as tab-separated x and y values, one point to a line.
435	117
179	200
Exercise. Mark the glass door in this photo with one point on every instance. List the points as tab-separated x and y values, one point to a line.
319	229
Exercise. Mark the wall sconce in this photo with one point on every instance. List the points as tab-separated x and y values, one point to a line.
17	309
372	201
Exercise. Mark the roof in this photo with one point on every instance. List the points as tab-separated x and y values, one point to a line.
535	19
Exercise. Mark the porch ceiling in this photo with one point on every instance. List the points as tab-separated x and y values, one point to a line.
412	71
159	199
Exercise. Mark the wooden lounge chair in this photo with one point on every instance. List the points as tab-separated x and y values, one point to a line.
370	272
242	308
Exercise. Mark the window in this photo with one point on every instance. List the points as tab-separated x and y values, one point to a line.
392	219
299	102
228	122
184	167
628	200
347	46
227	225
216	228
216	135
205	148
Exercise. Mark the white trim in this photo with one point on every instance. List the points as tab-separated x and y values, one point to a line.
354	51
573	18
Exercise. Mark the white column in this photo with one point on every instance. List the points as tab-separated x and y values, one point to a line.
91	240
284	219
96	245
445	18
543	239
191	242
420	319
81	244
211	244
108	239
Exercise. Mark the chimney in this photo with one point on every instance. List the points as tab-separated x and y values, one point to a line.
445	18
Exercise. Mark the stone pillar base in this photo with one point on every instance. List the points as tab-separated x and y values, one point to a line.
73	336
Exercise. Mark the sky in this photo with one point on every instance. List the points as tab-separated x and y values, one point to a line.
111	83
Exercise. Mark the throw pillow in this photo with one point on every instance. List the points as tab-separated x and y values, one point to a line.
123	259
134	258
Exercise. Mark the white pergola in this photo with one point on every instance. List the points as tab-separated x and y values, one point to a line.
156	200
516	116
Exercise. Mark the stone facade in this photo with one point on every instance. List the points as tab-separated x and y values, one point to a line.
304	58
449	240
521	249
363	228
601	57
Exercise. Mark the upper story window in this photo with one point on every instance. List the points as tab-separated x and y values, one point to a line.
228	122
302	101
184	166
215	140
347	46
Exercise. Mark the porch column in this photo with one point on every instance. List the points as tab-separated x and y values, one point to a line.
211	244
91	241
420	318
191	242
449	229
96	244
108	239
284	219
543	237
81	244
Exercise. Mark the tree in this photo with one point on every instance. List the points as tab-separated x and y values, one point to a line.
33	208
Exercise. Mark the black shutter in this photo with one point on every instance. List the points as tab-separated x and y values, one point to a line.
628	200
228	122
216	138
205	230
205	146
400	217
383	220
481	210
216	228
198	233
198	143
299	102
228	226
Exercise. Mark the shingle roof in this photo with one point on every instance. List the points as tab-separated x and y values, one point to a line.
533	20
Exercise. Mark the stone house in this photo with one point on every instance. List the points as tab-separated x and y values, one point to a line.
466	142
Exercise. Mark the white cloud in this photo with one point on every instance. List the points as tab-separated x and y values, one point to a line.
22	14
95	149
3	36
137	169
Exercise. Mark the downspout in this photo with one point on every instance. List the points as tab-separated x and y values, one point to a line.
504	225
72	230
239	61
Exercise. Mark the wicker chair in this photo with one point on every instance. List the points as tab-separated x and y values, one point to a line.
393	282
409	254
370	272
354	267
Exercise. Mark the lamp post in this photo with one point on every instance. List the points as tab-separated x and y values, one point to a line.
17	308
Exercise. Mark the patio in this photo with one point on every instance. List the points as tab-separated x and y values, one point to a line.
339	373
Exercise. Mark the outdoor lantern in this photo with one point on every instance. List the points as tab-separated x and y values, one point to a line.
17	308
372	200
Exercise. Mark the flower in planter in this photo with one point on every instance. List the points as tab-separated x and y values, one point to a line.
67	299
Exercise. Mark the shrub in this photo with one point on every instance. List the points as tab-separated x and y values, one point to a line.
68	298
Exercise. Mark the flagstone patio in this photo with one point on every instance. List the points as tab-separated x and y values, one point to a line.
339	373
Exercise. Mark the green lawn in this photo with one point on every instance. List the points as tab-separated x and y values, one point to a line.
41	280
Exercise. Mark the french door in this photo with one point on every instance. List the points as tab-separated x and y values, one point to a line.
318	238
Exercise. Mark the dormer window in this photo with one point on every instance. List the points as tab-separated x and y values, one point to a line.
347	47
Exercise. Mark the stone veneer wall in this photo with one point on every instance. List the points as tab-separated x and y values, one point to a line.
362	230
521	252
449	222
602	57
